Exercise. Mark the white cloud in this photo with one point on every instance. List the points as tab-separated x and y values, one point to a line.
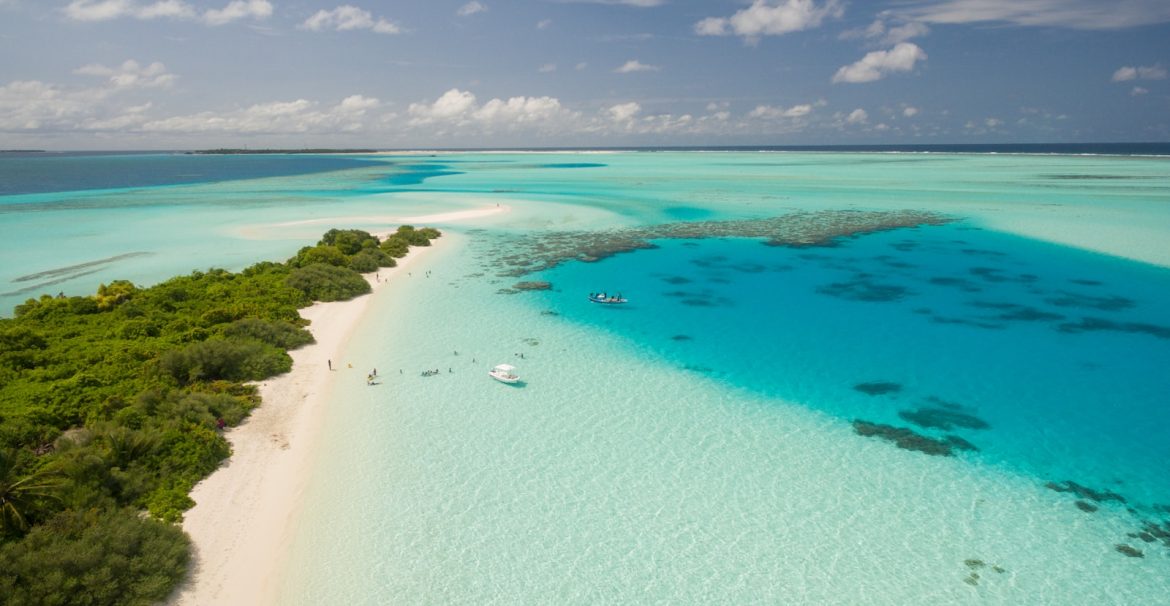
993	122
106	10
769	112
580	66
633	65
882	32
543	23
909	111
348	17
876	65
452	104
238	9
471	8
459	109
624	112
289	117
857	116
1153	72
130	74
1138	91
547	68
1074	14
771	18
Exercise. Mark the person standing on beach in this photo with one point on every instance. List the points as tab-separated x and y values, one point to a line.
330	363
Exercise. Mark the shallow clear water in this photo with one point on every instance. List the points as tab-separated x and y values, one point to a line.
696	445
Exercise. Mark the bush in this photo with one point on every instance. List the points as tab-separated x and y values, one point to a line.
349	241
322	282
94	558
229	359
275	333
370	259
395	246
328	255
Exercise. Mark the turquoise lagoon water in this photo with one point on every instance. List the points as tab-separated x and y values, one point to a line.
697	445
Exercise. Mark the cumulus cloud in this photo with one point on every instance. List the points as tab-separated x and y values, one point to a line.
624	112
547	68
458	108
878	64
769	112
32	105
857	116
1074	14
348	17
471	8
909	111
771	18
888	30
130	74
106	10
543	23
1153	72
238	9
291	117
633	65
1138	91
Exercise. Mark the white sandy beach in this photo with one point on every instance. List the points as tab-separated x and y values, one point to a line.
244	511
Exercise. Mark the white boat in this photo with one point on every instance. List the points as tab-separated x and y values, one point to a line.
504	373
605	299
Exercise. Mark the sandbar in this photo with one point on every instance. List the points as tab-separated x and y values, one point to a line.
244	512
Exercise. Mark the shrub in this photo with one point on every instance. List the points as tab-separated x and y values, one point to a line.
370	259
229	359
94	558
275	333
322	282
348	241
395	246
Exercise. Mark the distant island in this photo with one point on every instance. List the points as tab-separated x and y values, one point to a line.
231	151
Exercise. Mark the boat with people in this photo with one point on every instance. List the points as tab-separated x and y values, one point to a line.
604	299
504	373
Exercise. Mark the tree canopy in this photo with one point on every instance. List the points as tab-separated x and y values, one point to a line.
111	404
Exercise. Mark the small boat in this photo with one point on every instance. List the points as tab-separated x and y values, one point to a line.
504	373
605	299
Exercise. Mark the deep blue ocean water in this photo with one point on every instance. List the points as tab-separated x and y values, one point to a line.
1063	354
31	173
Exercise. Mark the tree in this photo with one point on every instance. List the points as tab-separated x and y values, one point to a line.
19	493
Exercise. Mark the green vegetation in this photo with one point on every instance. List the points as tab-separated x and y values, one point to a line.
110	406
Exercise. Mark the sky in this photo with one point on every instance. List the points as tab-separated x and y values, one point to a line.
195	74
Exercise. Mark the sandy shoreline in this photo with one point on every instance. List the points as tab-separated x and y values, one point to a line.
244	510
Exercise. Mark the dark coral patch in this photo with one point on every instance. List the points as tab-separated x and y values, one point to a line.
677	280
1085	282
861	289
1015	312
1112	303
904	438
532	285
1129	551
1085	492
1098	324
940	418
681	338
1086	507
877	388
960	443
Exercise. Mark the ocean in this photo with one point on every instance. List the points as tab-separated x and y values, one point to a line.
962	412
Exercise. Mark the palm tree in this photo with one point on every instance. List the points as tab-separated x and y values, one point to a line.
18	493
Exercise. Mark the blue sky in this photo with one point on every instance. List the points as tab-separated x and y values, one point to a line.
182	74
